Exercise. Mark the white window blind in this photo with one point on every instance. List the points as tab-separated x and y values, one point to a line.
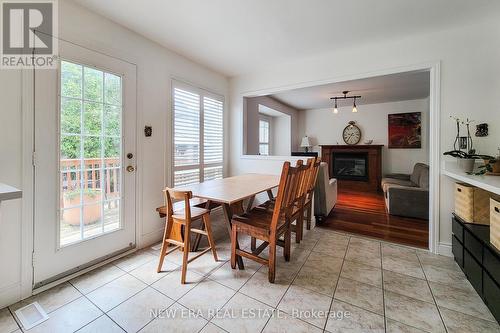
263	137
198	136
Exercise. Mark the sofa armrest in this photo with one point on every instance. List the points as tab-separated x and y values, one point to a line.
408	201
401	176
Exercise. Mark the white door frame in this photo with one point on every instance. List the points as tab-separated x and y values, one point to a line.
28	146
434	69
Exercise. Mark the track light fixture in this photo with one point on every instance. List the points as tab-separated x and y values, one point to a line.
345	92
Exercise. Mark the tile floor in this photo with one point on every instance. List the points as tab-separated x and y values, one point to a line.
334	283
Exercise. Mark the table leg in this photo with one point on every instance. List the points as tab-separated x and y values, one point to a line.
270	194
250	204
228	215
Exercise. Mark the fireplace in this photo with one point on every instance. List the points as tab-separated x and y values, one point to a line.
350	166
357	167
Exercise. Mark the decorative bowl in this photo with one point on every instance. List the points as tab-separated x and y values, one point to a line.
368	142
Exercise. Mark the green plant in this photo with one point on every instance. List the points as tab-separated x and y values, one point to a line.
487	167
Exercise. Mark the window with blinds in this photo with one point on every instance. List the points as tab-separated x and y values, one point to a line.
263	137
198	135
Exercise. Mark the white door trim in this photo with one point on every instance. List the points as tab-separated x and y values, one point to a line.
434	120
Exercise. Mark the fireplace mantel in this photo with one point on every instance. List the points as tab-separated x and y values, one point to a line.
374	165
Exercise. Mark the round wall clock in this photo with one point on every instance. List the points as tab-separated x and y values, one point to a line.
351	134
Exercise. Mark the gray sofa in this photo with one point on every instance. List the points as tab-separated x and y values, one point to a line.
325	194
408	195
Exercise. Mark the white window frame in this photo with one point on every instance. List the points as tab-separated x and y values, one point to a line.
268	120
201	166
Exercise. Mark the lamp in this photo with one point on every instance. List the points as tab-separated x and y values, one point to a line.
345	92
305	143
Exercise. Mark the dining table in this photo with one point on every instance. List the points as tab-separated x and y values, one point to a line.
231	192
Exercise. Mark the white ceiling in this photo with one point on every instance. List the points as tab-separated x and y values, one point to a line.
238	36
380	89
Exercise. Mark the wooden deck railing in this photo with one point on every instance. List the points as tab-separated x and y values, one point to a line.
72	172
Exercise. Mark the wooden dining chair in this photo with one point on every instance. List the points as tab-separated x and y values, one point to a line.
260	224
184	216
313	176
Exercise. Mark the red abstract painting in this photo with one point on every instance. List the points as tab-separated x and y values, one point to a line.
405	130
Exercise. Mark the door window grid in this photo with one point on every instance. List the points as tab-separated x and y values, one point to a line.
90	154
264	137
197	136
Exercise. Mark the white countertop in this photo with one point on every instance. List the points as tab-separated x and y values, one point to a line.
8	192
486	182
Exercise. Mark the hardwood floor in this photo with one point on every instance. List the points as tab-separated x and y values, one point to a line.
364	213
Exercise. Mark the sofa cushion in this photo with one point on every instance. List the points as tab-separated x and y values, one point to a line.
417	170
394	181
424	179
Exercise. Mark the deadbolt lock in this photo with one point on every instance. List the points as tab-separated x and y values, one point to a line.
130	168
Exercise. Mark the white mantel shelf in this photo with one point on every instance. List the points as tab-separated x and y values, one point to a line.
8	192
488	183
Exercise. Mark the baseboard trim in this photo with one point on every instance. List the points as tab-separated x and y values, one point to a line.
10	294
444	249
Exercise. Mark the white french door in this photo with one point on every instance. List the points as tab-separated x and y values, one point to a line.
85	147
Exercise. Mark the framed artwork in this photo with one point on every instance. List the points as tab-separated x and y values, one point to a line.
405	130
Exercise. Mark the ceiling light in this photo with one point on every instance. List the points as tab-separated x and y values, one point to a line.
345	92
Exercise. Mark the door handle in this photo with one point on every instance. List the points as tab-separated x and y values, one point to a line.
130	168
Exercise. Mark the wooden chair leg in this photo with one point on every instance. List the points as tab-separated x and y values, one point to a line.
253	243
234	240
272	260
186	248
288	240
299	226
208	228
164	244
308	218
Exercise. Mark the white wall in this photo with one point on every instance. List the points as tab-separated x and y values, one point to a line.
251	125
156	66
325	128
281	131
469	67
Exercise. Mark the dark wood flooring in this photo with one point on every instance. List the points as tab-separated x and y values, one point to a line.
364	213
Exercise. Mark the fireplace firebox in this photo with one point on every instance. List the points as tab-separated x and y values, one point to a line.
350	166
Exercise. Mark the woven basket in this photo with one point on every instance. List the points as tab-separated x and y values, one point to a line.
472	204
495	223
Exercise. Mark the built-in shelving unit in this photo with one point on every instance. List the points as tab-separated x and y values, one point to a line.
486	182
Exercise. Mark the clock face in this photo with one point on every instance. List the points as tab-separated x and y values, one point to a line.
352	134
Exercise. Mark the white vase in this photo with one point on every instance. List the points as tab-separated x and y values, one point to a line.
467	164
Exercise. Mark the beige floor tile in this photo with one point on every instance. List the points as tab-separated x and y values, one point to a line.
317	279
234	278
308	303
140	309
243	314
362	273
285	271
446	276
115	292
134	260
258	287
147	272
345	318
335	246
7	322
281	322
171	286
177	319
413	312
427	258
365	252
467	302
360	294
212	328
402	266
101	325
97	278
408	286
51	299
327	263
69	318
364	243
207	297
400	252
396	327
205	264
459	322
